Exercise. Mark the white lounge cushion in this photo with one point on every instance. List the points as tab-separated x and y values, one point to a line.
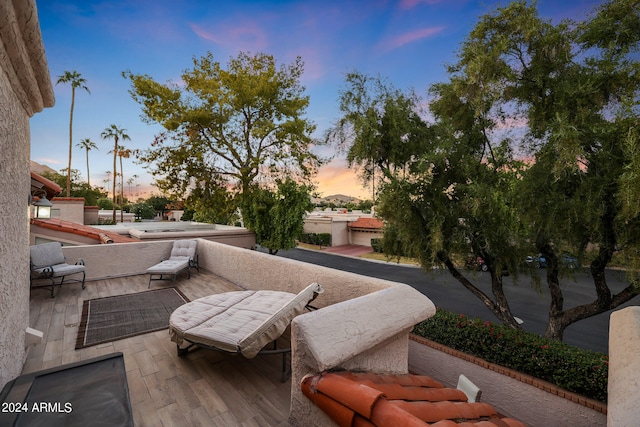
60	270
184	248
170	266
242	321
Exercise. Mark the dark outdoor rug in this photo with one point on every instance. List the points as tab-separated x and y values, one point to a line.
114	318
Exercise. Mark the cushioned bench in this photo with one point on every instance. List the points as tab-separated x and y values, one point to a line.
241	322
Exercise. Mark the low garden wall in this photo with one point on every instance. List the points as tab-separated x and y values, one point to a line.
533	401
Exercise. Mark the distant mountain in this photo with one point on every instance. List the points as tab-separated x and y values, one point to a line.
38	168
337	199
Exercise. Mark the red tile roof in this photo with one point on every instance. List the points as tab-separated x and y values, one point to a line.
363	222
82	230
361	399
52	189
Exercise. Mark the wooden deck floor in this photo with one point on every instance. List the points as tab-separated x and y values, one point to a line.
205	388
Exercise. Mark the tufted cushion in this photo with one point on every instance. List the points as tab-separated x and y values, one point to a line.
170	266
47	254
242	321
184	248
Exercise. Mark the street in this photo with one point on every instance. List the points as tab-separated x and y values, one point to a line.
525	301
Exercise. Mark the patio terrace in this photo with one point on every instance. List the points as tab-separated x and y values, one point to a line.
363	325
205	388
209	388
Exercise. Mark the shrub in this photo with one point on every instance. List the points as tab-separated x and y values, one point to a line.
321	239
571	368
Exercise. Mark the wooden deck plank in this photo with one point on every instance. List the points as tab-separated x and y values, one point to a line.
205	387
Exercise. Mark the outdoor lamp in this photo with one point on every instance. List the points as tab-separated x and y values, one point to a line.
42	207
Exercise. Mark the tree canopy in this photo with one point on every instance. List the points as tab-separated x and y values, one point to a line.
277	216
532	148
241	124
227	132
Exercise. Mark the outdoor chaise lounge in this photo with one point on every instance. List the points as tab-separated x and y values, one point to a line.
183	257
48	263
240	322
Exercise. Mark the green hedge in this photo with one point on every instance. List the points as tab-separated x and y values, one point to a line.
571	368
321	239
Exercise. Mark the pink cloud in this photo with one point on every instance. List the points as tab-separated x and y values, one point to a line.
410	37
410	4
245	37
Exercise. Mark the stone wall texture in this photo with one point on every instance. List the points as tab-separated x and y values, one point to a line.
25	88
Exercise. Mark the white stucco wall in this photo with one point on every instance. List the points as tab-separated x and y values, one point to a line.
25	88
624	367
69	209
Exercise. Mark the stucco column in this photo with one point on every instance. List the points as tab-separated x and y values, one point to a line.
624	368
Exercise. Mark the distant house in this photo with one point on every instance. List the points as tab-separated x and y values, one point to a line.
346	228
362	230
174	215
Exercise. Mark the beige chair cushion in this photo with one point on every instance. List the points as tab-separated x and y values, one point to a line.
242	321
170	266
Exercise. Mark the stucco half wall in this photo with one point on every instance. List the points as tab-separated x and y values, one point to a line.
624	367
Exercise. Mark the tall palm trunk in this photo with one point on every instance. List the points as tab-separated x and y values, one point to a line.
88	176
73	99
121	191
115	176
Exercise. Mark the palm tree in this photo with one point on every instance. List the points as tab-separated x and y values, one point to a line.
116	133
88	145
76	81
126	153
108	178
130	181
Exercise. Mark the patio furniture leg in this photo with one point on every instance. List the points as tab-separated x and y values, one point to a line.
183	351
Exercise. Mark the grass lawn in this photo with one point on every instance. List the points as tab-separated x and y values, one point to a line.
382	257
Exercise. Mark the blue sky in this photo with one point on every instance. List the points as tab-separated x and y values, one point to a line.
408	41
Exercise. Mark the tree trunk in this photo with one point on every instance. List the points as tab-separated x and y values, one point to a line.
115	176
121	191
500	308
88	175
560	319
73	98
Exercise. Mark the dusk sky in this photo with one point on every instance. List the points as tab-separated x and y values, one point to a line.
407	41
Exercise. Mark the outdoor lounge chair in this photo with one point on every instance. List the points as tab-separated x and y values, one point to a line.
183	257
48	263
240	322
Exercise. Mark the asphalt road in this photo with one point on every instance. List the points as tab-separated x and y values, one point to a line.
526	302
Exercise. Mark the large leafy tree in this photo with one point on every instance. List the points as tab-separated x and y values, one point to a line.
277	217
90	194
159	203
117	134
244	124
76	81
533	148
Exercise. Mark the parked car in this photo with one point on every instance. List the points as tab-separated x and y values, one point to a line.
476	263
536	261
539	261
